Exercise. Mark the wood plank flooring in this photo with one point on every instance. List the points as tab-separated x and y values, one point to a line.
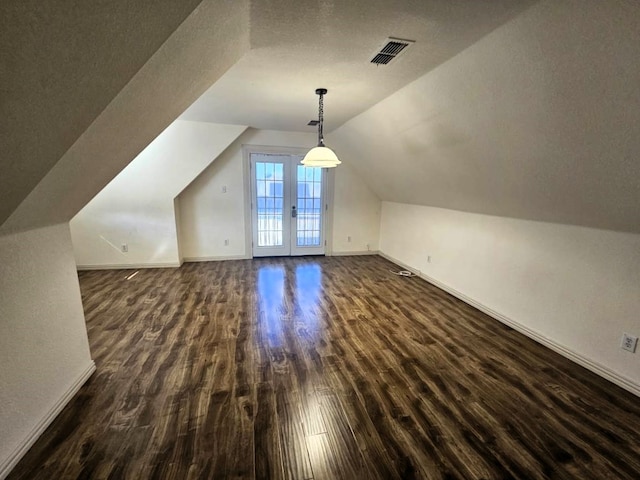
322	368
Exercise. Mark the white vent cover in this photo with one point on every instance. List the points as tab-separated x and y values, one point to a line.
392	48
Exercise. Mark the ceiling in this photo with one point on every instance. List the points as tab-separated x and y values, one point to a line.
84	90
300	45
535	121
59	68
518	116
62	67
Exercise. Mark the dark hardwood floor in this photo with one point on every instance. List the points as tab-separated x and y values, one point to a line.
322	368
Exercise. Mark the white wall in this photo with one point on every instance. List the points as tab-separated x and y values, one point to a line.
577	287
356	213
44	352
209	216
137	207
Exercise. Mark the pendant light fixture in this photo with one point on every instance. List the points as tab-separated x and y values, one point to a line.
321	156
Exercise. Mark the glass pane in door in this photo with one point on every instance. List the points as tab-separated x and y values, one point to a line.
309	203
270	203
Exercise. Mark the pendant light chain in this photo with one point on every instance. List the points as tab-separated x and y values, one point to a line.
321	156
321	120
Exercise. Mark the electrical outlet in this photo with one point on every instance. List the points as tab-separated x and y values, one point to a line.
429	259
349	238
629	342
368	247
226	242
224	189
124	248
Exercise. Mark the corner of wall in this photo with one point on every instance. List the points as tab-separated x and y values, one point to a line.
43	337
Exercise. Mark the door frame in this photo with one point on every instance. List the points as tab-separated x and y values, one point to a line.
329	173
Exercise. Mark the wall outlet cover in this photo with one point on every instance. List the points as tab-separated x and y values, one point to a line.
629	342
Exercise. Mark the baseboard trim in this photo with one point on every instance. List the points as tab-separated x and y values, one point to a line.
349	254
215	259
41	426
575	357
128	266
244	257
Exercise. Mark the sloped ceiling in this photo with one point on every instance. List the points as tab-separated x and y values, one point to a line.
300	45
62	63
78	81
539	120
160	81
518	108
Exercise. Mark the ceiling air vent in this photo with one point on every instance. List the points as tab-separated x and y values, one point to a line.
392	48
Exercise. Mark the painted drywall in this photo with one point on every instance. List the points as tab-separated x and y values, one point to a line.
44	351
578	287
210	216
286	65
136	208
538	120
356	213
211	39
56	95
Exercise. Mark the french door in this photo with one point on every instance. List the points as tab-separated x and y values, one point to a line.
287	206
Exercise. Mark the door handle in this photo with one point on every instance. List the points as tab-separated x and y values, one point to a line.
294	211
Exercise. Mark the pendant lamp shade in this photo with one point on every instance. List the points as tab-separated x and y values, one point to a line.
321	156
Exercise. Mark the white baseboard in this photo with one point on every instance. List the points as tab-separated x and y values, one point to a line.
576	357
360	252
7	465
128	266
215	259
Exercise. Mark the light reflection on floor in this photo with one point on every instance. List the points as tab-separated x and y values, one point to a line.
279	304
290	318
271	298
308	283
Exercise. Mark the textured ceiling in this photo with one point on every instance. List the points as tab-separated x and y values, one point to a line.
61	63
507	107
535	121
299	45
197	52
